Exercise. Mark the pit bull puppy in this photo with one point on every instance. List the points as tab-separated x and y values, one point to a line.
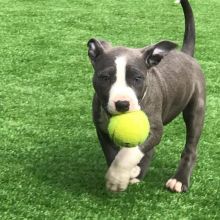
161	81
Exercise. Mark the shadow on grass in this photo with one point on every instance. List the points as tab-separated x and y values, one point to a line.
78	170
70	168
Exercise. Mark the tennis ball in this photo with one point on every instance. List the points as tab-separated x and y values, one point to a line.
129	129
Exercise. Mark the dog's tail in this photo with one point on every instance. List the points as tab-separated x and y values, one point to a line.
189	35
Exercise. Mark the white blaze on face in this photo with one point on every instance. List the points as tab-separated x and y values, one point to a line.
120	91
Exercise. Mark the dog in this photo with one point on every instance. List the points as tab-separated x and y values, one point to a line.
161	81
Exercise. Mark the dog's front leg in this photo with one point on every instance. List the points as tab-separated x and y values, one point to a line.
110	150
148	147
130	163
123	168
119	173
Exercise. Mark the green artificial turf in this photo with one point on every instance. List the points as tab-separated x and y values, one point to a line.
51	164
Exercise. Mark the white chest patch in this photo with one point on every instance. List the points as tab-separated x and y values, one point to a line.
120	91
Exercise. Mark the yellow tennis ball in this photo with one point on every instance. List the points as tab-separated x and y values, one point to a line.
129	129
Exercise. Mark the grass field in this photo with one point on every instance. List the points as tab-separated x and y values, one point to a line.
51	165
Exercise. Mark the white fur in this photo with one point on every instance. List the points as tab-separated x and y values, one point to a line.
123	169
174	185
135	172
134	181
120	70
157	51
92	45
177	1
120	91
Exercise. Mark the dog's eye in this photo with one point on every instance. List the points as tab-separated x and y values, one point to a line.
138	79
104	77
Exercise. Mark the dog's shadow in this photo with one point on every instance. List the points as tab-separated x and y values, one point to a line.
69	167
79	170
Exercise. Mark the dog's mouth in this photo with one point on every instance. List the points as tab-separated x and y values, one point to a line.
113	113
110	113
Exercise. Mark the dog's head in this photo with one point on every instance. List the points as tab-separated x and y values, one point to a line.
120	73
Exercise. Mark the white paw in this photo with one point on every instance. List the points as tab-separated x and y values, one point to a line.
135	172
117	179
134	181
123	169
174	185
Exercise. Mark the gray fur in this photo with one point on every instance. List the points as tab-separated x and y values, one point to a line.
173	83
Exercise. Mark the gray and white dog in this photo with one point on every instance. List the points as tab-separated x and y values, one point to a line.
161	81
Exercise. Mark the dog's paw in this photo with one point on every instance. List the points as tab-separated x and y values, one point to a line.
134	181
135	172
117	179
123	169
176	186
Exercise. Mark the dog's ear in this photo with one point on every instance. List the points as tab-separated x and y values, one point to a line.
155	53
96	48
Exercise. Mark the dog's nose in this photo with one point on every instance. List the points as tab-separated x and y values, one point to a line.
122	106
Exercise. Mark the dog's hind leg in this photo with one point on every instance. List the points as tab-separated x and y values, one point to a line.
193	116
